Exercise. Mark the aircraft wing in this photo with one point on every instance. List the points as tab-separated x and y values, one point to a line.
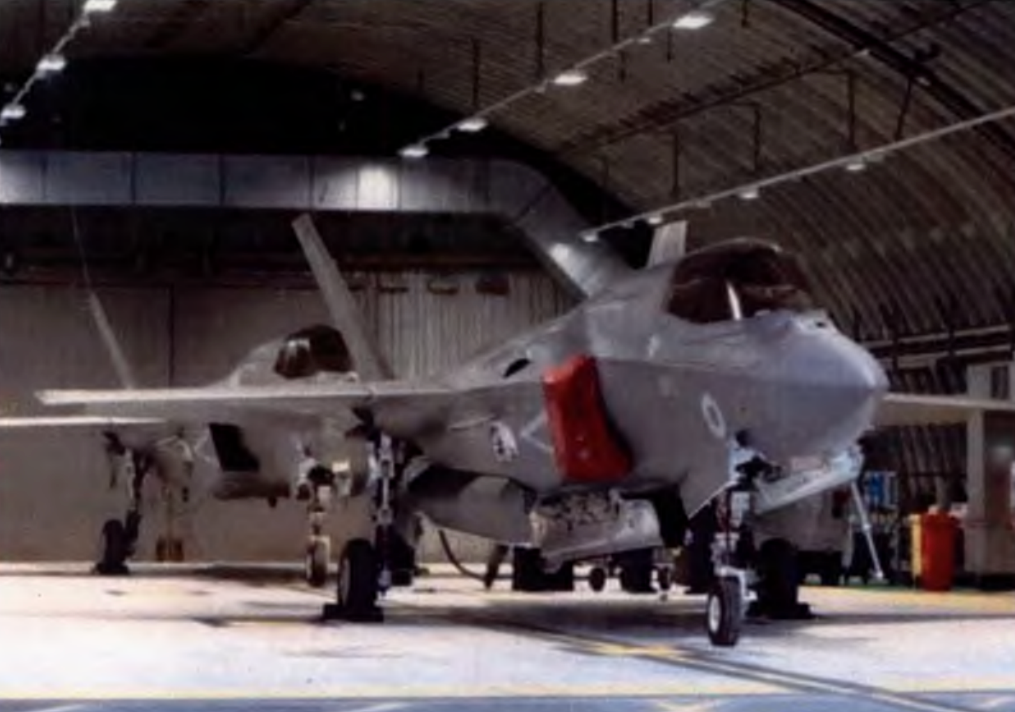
75	421
299	401
913	409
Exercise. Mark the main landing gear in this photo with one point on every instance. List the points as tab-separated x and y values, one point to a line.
368	568
118	538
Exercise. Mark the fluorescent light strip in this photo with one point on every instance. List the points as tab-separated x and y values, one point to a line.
571	78
474	124
416	150
13	112
52	63
702	15
99	6
694	20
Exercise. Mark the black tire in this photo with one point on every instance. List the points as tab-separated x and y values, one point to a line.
597	579
115	548
724	612
317	560
779	584
357	589
637	578
527	571
664	579
831	570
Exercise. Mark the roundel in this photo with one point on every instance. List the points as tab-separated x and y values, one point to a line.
713	416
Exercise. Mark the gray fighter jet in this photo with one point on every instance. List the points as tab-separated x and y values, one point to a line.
690	402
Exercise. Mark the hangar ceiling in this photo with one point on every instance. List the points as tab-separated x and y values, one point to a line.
918	243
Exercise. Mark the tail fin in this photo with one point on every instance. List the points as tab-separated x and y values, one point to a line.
124	372
345	315
669	243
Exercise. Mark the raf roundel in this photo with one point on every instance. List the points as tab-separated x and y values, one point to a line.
713	416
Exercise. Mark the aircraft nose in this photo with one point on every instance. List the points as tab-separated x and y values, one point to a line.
831	389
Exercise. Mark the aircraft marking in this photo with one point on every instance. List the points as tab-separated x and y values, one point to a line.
528	433
505	445
713	416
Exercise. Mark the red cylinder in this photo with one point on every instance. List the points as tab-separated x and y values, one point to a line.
937	551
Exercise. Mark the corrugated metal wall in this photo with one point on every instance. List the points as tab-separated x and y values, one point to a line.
54	485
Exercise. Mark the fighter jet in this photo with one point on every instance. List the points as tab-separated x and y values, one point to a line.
692	400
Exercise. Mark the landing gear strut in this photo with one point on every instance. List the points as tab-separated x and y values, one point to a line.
730	590
118	539
779	583
318	486
364	571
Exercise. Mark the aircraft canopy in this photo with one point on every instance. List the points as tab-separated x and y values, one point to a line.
736	280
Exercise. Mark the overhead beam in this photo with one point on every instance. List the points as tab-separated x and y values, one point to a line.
947	96
551	226
263	34
664	114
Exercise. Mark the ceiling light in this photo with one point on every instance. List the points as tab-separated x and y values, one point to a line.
99	5
51	64
474	124
571	78
13	112
416	150
750	193
856	165
694	20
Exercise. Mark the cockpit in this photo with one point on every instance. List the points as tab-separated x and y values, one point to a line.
311	351
736	280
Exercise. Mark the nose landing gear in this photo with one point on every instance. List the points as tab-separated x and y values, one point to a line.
730	591
317	486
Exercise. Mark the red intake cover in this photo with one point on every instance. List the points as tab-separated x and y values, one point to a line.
586	448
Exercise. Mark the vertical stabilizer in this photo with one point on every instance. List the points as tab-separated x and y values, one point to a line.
345	315
669	243
124	373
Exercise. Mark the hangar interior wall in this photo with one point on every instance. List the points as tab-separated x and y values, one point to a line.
54	485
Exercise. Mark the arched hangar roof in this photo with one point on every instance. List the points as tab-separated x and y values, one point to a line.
920	241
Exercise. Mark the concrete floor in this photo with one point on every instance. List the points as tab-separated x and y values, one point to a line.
170	635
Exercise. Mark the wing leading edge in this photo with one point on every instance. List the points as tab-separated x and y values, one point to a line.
229	403
911	409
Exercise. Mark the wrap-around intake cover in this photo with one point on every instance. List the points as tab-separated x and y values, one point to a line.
586	447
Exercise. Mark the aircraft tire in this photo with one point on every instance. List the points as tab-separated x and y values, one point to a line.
318	558
831	570
664	579
724	612
357	588
597	579
114	549
779	588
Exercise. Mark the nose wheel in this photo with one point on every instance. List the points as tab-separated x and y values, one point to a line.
729	592
725	611
317	487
